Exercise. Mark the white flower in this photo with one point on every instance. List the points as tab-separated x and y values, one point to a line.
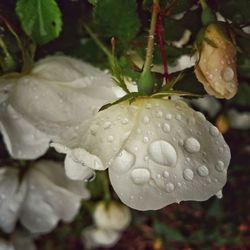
112	216
58	95
157	151
96	237
19	240
239	120
42	198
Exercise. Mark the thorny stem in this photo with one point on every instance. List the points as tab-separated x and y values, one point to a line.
160	35
151	37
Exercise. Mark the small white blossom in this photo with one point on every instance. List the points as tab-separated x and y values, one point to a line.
42	197
157	152
58	95
112	216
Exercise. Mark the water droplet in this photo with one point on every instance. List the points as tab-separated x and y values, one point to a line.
166	127
110	138
158	176
222	62
219	166
227	74
140	176
214	131
191	145
178	117
2	196
170	187
203	171
148	106
221	149
166	174
146	119
168	117
145	139
123	162
210	76
107	125
188	174
159	114
125	121
163	153
219	194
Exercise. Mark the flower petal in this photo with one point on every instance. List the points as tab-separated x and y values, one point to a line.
112	216
22	139
49	199
172	154
11	197
60	93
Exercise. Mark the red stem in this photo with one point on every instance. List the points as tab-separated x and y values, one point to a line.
160	36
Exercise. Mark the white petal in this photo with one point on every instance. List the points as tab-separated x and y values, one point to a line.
51	197
6	245
22	241
180	156
96	237
11	198
79	164
61	92
112	216
22	139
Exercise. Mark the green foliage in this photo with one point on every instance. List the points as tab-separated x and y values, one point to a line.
237	11
40	19
117	18
168	232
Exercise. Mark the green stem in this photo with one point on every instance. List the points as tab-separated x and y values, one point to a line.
203	4
98	42
151	38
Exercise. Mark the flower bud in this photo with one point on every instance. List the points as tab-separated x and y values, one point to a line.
216	68
112	216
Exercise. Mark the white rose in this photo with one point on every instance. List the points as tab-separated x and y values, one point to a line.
44	196
58	95
157	151
112	216
97	237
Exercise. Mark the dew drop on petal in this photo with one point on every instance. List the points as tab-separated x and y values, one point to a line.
146	119
145	139
191	145
203	171
166	127
168	116
169	187
110	138
166	174
107	125
159	114
178	117
227	74
188	174
219	194
219	166
123	161
214	131
162	152
201	116
125	121
140	176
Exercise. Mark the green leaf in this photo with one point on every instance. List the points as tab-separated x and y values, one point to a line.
238	11
173	29
117	18
168	232
243	95
40	19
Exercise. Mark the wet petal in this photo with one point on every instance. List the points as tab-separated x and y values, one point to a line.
11	197
50	198
173	154
22	139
